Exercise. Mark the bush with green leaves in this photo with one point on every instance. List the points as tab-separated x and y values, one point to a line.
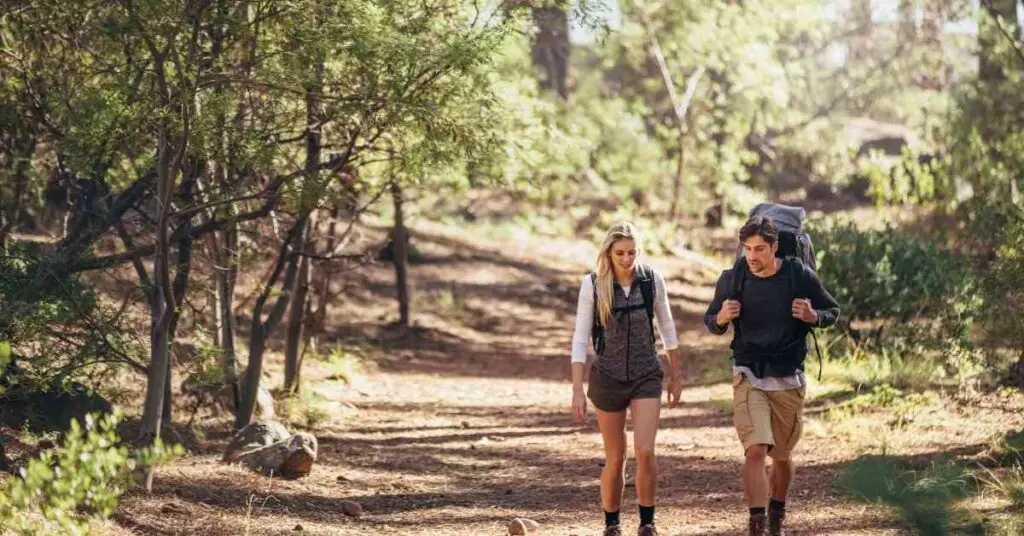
896	290
62	331
81	480
884	274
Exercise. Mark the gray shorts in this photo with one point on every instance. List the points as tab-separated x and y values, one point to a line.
611	395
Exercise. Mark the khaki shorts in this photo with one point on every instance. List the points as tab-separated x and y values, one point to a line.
773	418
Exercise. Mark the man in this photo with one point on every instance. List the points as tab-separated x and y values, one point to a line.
773	306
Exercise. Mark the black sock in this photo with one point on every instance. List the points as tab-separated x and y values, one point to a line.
611	518
646	515
777	505
756	512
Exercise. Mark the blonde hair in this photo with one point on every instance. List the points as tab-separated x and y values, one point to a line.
605	275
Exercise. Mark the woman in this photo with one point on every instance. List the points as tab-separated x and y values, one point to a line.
615	309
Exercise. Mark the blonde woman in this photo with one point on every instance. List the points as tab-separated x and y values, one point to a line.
619	304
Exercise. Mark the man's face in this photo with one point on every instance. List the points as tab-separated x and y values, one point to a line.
760	254
623	253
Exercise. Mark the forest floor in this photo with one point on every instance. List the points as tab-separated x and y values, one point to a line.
462	422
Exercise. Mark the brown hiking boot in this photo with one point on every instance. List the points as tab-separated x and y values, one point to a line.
612	530
758	525
647	530
775	519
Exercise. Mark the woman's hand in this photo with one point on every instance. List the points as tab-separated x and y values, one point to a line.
579	404
675	377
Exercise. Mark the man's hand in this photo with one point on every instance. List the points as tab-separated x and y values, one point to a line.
802	310
729	312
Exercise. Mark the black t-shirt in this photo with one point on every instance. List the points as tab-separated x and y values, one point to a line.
766	306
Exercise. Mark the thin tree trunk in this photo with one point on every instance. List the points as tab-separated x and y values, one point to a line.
400	249
296	325
22	157
680	109
227	275
287	261
182	273
552	47
319	317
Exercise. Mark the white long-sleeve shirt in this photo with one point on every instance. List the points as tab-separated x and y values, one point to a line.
585	317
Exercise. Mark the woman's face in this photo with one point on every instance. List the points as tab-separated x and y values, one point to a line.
623	255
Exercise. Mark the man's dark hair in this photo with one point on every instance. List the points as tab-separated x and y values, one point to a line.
760	226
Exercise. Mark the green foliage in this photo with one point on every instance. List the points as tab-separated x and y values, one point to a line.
82	479
899	293
1002	290
59	330
924	498
903	406
911	181
884	274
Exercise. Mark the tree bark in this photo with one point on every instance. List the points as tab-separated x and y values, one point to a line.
551	48
297	309
287	262
296	327
400	248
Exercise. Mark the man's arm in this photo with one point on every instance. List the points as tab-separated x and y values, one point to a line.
711	315
826	308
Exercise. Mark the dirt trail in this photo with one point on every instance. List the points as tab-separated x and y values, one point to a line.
466	423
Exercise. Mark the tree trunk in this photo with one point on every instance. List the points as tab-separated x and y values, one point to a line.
163	307
715	215
182	272
287	261
251	382
319	316
677	180
297	308
908	20
296	325
227	275
551	48
680	109
21	159
400	248
152	411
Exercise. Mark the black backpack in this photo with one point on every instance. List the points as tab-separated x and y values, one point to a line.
794	242
795	245
646	283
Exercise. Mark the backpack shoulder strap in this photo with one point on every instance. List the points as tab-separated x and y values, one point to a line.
596	330
647	288
739	275
796	277
648	291
796	282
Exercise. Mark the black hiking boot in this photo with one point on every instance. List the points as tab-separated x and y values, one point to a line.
647	530
775	519
612	530
758	525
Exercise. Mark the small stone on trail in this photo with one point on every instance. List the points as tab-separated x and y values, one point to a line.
352	509
521	525
298	528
